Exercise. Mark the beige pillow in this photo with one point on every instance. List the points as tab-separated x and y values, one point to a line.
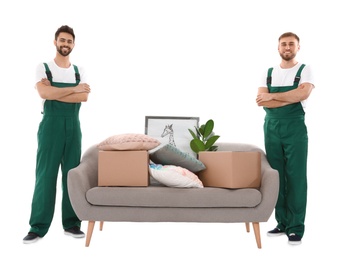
128	142
174	176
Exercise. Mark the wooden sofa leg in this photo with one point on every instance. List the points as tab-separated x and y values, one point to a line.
256	229
101	225
247	225
91	225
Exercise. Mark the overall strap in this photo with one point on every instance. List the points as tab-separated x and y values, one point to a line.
77	74
48	73
50	76
297	78
269	77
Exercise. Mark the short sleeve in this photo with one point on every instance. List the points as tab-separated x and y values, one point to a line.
307	75
40	72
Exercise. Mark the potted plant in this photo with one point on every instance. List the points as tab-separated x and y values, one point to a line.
204	138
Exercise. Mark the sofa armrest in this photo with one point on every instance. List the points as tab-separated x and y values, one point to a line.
269	182
81	179
269	188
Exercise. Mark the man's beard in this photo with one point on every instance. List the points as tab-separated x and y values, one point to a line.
289	57
63	52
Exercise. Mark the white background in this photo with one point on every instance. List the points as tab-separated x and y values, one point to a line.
173	58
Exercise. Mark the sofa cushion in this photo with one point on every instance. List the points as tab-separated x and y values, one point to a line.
171	155
158	196
128	142
174	176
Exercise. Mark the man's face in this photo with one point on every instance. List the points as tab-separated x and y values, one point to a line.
288	48
64	44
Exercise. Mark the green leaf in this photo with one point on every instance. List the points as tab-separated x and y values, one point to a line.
211	141
197	145
198	133
201	130
208	129
213	148
193	134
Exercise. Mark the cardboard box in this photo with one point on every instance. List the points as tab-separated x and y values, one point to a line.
123	168
231	169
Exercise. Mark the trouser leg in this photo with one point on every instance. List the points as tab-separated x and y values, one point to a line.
275	156
47	167
296	150
71	160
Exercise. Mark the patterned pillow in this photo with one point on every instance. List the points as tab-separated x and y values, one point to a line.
128	142
174	176
171	155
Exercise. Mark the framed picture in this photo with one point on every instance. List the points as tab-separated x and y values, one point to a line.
172	130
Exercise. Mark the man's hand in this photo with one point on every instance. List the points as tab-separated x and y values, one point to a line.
45	81
262	97
266	99
82	88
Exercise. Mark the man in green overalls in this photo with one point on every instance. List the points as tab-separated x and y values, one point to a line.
62	87
283	94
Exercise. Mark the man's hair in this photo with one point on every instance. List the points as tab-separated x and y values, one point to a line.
65	29
289	34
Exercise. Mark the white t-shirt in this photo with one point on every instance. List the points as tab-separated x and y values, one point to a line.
61	75
285	77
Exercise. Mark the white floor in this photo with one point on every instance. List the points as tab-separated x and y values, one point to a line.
176	241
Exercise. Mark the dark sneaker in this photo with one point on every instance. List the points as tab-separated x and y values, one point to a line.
31	237
294	239
275	232
74	232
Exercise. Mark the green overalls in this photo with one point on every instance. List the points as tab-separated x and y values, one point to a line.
59	144
286	144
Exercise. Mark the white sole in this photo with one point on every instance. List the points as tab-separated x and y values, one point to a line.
31	241
275	235
294	243
73	235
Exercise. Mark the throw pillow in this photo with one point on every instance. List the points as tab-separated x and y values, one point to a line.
171	155
174	176
128	142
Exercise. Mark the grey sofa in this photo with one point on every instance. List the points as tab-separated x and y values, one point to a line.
158	203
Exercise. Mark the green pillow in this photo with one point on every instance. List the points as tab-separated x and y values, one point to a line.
171	155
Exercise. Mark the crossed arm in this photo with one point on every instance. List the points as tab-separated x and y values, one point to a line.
272	100
75	94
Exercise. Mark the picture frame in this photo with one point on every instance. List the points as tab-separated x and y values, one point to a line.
172	130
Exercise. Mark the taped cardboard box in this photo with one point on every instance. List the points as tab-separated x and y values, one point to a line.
123	168
231	169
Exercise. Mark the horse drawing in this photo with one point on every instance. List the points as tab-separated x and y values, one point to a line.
169	131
